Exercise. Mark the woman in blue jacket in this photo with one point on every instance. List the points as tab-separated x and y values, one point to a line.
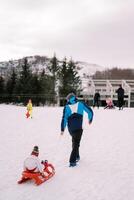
73	118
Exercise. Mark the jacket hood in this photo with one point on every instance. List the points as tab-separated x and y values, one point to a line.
71	98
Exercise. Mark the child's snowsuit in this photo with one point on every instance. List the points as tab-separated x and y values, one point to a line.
29	110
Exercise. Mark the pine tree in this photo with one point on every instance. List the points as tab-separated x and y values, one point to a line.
46	85
54	69
63	76
36	89
69	78
25	79
2	89
24	83
73	78
1	85
11	84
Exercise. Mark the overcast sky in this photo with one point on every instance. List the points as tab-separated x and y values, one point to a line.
95	31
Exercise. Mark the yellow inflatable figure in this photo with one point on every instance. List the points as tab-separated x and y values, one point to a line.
29	109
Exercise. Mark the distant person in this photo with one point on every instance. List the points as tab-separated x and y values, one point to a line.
29	109
120	93
73	118
109	103
96	100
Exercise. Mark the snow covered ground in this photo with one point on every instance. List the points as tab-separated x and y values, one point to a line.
106	168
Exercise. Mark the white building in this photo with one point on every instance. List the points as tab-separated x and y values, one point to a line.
107	88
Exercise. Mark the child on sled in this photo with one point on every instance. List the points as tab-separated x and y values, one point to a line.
109	103
36	170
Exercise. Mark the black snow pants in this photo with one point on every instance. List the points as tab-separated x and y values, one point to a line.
120	101
76	138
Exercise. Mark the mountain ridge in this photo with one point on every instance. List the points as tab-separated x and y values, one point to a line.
38	63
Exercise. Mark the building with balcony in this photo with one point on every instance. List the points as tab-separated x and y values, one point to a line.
107	89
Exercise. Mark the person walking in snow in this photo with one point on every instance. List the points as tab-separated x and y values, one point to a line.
29	109
73	118
120	93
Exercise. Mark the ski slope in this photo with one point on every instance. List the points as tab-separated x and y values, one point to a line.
106	168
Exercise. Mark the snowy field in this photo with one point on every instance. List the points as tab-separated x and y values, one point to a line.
106	168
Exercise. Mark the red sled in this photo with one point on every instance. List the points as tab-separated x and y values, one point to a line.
27	114
37	177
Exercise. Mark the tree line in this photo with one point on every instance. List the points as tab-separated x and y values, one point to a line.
43	88
115	73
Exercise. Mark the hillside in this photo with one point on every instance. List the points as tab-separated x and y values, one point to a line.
38	63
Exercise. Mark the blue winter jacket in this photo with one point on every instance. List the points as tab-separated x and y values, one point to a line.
73	116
